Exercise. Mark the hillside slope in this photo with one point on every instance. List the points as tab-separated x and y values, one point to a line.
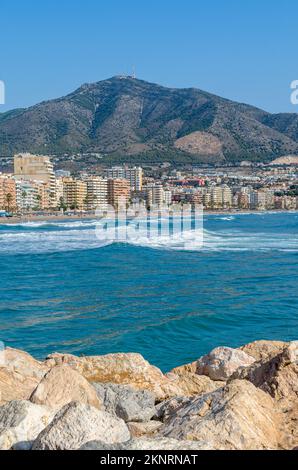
129	117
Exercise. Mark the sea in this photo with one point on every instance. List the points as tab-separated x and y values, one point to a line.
62	289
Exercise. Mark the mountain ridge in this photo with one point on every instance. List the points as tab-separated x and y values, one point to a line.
131	118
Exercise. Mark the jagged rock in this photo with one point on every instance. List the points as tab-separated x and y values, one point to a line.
264	350
279	378
61	385
21	422
15	386
125	402
238	416
180	370
127	369
149	444
222	362
166	409
193	384
77	424
141	429
20	373
22	363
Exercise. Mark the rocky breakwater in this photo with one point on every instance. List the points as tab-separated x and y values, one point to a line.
245	398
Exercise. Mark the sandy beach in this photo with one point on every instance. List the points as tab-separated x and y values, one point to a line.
62	218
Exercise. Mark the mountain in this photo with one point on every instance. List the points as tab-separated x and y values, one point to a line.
123	117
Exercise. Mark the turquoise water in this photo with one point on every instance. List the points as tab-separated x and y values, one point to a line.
63	290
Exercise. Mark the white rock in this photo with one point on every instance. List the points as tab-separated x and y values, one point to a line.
77	424
238	416
21	422
222	362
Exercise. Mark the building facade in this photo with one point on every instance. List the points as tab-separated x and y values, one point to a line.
118	191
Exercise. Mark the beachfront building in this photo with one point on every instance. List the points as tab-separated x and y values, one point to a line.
97	192
156	195
27	195
30	167
74	193
261	199
7	193
59	192
134	175
118	191
221	197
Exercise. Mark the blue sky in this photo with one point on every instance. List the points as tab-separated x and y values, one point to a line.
244	50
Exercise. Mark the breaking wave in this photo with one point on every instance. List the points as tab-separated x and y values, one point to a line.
225	235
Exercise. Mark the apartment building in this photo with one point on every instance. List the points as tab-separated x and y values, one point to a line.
97	192
7	193
134	175
118	191
74	193
29	167
156	195
27	195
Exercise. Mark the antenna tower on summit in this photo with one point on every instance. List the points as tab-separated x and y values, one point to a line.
133	72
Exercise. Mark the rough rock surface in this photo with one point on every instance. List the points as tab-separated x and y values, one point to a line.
77	424
222	362
149	444
168	408
62	385
193	384
262	350
125	402
141	429
24	364
20	373
257	408
21	422
128	369
15	386
278	377
238	416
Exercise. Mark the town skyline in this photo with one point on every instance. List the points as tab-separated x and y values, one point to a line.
35	186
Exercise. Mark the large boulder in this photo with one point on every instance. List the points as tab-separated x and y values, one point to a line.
222	362
21	422
238	416
22	363
20	374
15	386
149	444
128	369
125	402
278	377
263	350
77	424
62	385
192	384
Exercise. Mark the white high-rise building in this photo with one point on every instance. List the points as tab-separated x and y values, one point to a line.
97	192
157	195
134	175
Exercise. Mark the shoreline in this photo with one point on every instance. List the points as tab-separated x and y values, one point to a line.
62	218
